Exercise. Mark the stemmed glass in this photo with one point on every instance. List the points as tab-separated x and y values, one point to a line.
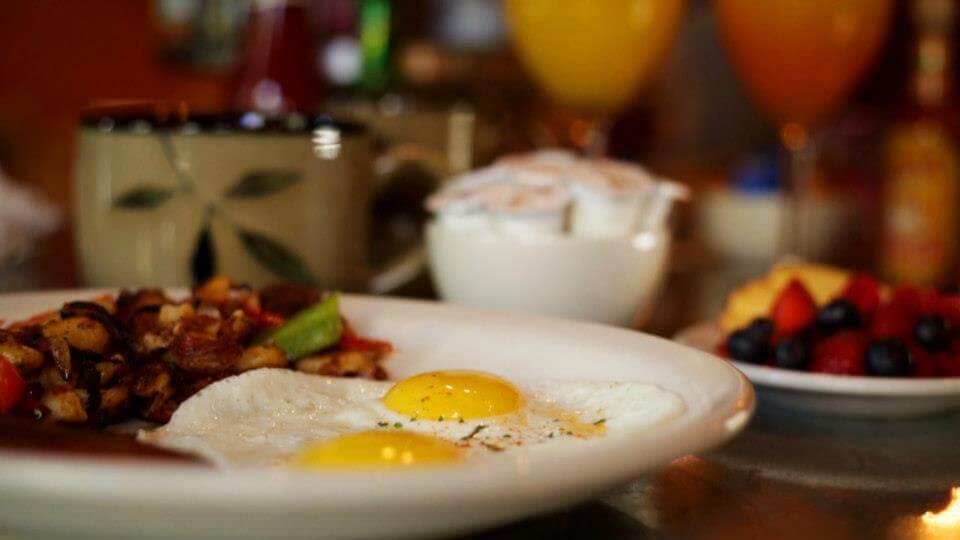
592	56
799	59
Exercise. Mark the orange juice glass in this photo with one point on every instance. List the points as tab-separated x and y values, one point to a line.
799	59
592	56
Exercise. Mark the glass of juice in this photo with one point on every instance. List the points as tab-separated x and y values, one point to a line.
592	56
799	59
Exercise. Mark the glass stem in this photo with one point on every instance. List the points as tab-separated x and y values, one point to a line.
598	138
585	132
797	189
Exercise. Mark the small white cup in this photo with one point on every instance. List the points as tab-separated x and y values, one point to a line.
607	280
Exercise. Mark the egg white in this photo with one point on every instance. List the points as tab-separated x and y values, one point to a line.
264	417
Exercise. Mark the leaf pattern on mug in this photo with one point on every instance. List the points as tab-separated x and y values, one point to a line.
261	183
275	257
203	262
143	198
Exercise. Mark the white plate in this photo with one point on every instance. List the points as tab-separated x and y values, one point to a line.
74	498
873	397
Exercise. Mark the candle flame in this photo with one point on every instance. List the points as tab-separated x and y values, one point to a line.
949	517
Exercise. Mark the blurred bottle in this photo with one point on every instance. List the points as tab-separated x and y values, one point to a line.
203	34
356	50
375	30
920	194
377	75
276	74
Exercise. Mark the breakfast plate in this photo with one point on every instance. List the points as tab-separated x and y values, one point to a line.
842	395
48	495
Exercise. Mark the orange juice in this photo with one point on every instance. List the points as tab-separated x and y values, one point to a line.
592	55
800	57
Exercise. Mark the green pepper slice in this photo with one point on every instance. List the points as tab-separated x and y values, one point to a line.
315	328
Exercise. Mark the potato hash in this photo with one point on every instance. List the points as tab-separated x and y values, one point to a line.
141	353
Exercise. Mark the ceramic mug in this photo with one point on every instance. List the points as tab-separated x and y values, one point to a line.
167	202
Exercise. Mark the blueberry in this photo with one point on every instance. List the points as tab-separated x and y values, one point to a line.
889	358
791	354
745	347
932	332
838	315
761	328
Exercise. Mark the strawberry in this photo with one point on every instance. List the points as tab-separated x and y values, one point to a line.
841	354
927	303
793	310
906	298
863	291
948	364
924	363
948	307
892	321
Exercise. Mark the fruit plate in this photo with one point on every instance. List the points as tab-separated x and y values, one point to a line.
840	395
72	497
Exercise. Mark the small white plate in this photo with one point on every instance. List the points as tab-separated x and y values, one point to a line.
70	497
874	397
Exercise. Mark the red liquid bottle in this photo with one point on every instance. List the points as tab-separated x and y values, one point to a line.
276	75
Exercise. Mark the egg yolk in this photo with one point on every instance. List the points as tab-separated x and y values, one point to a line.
453	395
378	449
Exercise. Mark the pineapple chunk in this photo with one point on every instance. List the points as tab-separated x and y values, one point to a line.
755	298
747	302
824	282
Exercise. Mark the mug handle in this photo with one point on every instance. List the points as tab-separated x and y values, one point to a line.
405	267
399	271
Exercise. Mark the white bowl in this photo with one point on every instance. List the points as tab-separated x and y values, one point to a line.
47	496
606	280
728	225
838	395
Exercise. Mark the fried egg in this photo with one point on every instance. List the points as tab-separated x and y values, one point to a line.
281	417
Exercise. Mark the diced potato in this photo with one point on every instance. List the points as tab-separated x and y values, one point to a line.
353	361
342	364
152	384
314	365
60	351
65	406
80	333
107	371
171	313
50	377
260	356
239	323
215	290
150	342
114	401
26	359
160	408
108	302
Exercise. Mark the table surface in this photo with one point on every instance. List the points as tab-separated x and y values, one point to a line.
789	475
